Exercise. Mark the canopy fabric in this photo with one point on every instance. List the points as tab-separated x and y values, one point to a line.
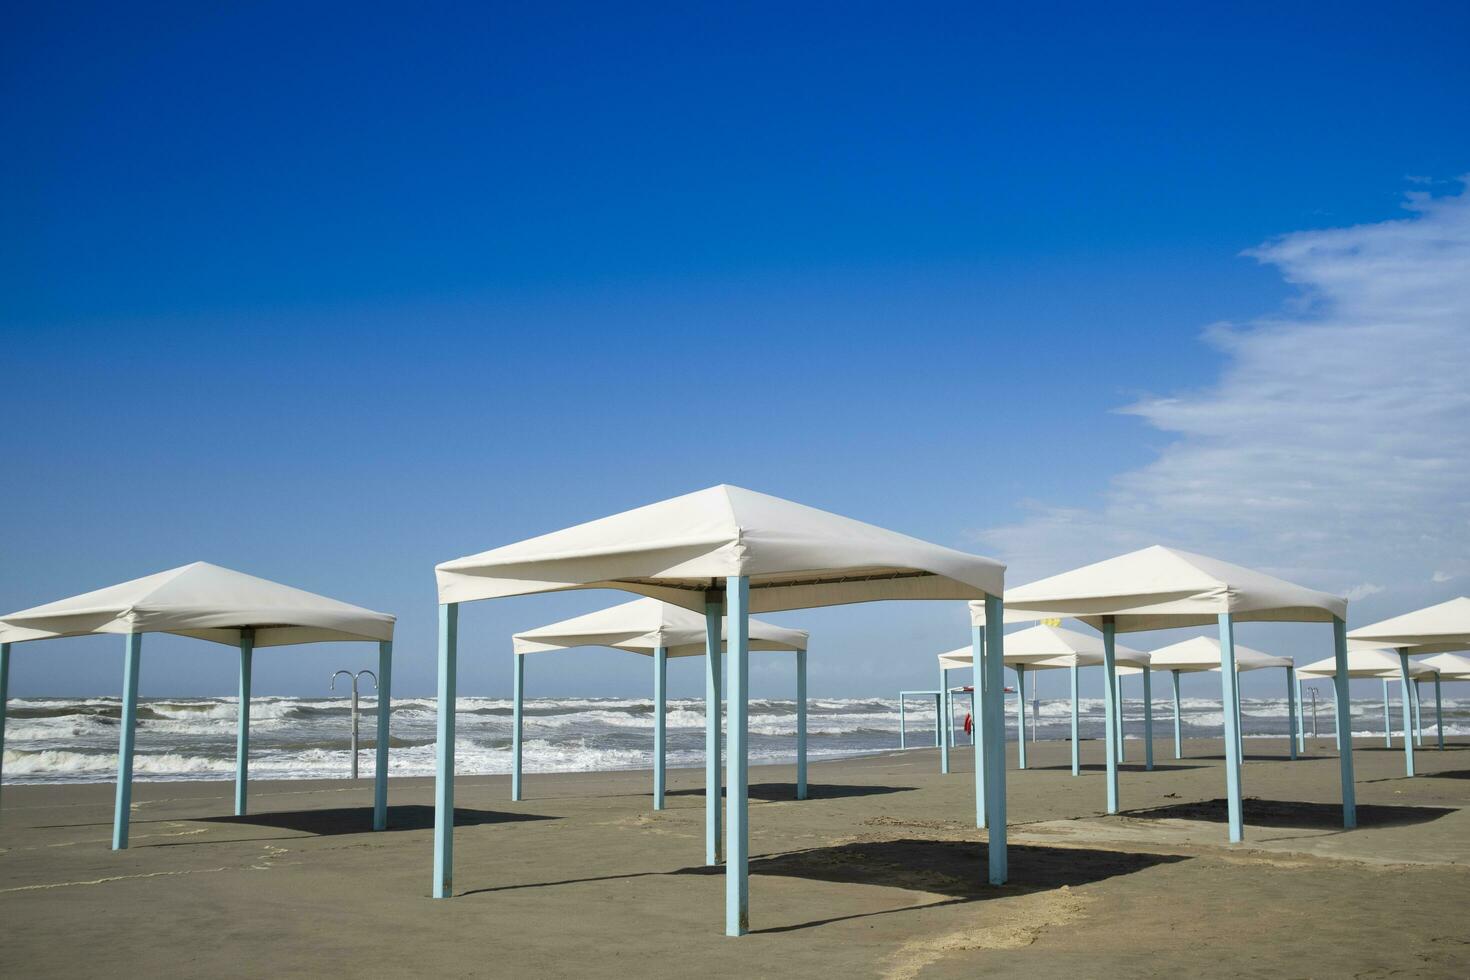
644	625
1012	616
1366	663
1434	629
1162	588
203	601
676	550
1203	653
1052	646
1449	666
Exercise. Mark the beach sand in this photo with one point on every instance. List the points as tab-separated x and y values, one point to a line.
880	874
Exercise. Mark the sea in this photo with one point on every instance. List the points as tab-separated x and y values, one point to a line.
70	740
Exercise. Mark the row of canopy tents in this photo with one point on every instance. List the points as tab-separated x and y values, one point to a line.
722	554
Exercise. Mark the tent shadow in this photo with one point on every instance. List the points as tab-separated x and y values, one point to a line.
1122	767
1449	774
1281	813
955	870
777	792
359	820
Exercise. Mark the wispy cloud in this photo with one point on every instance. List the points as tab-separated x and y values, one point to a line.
1334	449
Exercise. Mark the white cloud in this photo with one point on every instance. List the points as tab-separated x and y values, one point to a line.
1363	591
1440	576
1334	449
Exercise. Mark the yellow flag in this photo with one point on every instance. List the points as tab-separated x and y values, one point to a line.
1051	622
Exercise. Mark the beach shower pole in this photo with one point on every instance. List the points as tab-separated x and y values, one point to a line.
1292	708
517	722
122	809
242	721
354	678
801	724
1020	716
1409	719
1230	694
714	613
444	751
1110	710
1148	719
385	709
1301	724
737	810
1344	724
1076	762
660	682
1178	739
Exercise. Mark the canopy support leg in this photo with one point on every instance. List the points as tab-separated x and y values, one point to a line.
903	741
737	813
995	741
1178	734
714	613
1076	760
385	711
1344	724
978	719
444	751
1231	697
1301	717
517	725
1122	743
1111	709
1418	722
5	701
1408	698
1387	724
122	811
1020	716
941	723
242	722
1293	711
801	724
660	682
1438	714
1148	719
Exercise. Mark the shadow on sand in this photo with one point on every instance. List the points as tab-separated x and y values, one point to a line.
775	792
359	820
1281	813
1122	767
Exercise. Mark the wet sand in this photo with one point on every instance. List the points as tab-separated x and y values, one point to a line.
880	874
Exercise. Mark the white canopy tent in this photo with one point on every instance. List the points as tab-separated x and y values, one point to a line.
1442	628
1046	647
1162	588
724	550
206	602
655	629
1202	653
1449	666
1386	665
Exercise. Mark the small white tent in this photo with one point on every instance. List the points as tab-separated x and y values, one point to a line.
1202	653
206	602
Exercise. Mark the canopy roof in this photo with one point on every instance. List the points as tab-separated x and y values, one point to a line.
1451	666
1203	653
678	549
1050	647
1366	663
1435	629
206	602
1012	616
642	626
1161	588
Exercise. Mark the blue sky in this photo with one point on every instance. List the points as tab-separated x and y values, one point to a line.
329	294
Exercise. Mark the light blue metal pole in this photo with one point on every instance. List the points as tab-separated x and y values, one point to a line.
5	702
938	720
1148	719
1439	716
903	741
385	711
1076	758
1121	743
1344	725
1418	725
444	751
941	727
1178	733
1387	724
995	740
1020	716
1111	709
1239	721
133	645
1406	684
1301	717
801	724
517	724
1293	711
714	648
737	811
660	680
979	714
242	720
1231	698
1336	720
